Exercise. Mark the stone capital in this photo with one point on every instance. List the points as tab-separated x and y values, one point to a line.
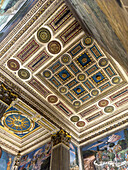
61	137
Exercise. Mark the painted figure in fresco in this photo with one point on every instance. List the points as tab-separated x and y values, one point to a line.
9	6
9	164
6	160
89	158
37	160
88	163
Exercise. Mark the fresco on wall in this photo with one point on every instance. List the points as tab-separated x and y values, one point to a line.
74	165
11	13
8	9
38	159
6	160
110	153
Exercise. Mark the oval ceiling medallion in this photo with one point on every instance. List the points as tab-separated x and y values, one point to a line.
103	103
52	99
116	80
87	41
80	123
43	35
66	59
47	74
54	47
109	109
95	92
63	89
103	62
76	103
75	118
23	74
18	123
13	65
81	77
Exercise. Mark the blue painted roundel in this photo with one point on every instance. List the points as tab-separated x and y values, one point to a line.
17	123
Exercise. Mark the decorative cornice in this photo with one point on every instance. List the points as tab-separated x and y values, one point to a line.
110	125
8	146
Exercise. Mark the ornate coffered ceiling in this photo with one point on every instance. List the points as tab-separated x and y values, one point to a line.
62	78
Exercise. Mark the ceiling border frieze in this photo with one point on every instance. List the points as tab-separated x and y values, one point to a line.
106	127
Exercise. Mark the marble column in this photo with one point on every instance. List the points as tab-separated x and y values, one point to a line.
60	158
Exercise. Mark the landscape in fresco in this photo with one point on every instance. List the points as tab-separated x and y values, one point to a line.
74	164
38	159
6	160
110	153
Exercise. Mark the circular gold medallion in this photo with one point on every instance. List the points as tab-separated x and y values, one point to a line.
54	47
98	77
47	74
13	65
103	62
103	103
23	74
84	60
63	89
115	80
80	123
76	103
52	99
109	109
65	59
87	41
81	77
95	92
75	118
43	35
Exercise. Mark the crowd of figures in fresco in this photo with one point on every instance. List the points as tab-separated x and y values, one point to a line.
110	153
37	159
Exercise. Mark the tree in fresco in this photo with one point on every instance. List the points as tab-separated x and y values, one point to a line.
126	136
111	154
122	143
46	164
